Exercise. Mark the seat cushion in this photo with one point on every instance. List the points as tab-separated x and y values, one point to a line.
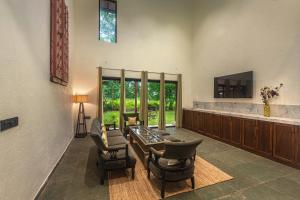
172	172
171	139
116	140
96	127
164	163
114	133
121	163
104	136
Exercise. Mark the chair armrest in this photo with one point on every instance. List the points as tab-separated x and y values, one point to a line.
107	126
156	153
113	150
117	147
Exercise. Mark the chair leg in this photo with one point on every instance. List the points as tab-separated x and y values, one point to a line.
193	182
162	191
103	175
148	172
132	173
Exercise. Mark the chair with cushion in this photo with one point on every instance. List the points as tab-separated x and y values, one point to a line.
97	128
131	119
112	149
174	163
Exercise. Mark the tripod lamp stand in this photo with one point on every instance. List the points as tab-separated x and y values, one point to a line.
81	131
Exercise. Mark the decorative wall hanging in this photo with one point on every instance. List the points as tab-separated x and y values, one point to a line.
59	44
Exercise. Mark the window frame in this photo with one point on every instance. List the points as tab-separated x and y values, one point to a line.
116	26
108	78
166	81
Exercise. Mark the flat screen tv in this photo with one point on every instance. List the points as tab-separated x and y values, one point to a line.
234	86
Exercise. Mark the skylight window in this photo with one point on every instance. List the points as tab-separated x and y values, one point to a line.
108	21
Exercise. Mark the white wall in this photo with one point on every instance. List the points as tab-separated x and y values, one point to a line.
30	151
232	36
152	35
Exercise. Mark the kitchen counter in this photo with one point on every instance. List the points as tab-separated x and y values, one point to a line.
250	116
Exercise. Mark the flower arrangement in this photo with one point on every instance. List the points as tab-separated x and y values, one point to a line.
268	93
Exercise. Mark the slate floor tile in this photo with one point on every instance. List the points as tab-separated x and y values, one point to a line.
255	178
285	186
264	193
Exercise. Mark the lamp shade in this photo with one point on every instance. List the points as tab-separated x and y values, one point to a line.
80	98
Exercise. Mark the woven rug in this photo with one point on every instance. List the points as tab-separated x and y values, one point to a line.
121	187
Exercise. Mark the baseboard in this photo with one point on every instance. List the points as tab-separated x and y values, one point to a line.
51	172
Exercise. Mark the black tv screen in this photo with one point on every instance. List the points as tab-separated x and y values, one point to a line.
234	86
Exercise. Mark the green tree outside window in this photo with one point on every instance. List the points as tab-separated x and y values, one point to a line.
108	21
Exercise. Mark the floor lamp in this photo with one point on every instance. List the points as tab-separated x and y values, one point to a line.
81	131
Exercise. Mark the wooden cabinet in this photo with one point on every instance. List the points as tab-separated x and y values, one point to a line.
201	121
198	121
250	134
265	137
258	136
236	130
187	121
216	126
208	123
232	130
184	118
195	121
284	142
226	128
280	142
298	146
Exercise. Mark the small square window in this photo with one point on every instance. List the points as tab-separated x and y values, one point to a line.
108	21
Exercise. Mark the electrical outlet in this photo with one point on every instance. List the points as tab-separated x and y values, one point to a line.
9	123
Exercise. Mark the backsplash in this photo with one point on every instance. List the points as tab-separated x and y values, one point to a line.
284	111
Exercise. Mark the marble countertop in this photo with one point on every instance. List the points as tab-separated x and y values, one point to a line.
250	116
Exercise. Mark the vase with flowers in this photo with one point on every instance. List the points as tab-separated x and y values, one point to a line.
267	94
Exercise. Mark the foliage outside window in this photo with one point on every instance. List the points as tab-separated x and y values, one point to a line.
132	94
170	98
108	21
153	102
111	101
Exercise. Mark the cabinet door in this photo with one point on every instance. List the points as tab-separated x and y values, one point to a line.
201	121
265	137
298	146
195	121
226	128
187	119
190	120
216	126
284	142
250	139
236	134
184	118
208	123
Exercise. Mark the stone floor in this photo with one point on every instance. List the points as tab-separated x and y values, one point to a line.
257	178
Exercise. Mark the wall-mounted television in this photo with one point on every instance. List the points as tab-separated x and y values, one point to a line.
234	86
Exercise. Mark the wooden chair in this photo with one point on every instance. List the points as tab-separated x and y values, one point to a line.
126	126
174	163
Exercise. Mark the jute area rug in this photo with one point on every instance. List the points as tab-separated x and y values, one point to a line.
121	187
